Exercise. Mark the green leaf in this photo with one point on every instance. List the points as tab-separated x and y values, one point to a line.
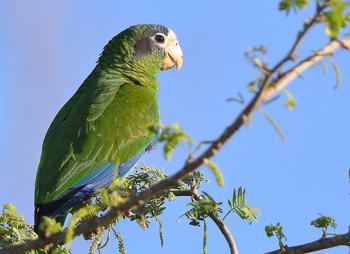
324	222
50	226
59	249
201	209
335	19
96	242
172	136
238	205
85	212
205	236
195	179
140	181
276	230
251	86
337	74
347	17
288	5
238	99
160	231
324	67
102	245
290	103
14	230
216	171
275	126
120	240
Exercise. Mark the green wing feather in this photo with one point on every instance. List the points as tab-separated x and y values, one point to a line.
106	120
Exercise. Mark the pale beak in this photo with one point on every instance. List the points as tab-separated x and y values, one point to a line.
175	54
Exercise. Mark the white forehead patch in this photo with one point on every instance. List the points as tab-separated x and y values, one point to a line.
171	35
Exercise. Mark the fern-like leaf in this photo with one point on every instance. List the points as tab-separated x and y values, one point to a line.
96	242
238	205
205	237
102	245
120	240
160	231
202	208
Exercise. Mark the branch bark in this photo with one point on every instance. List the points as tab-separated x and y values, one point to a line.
266	91
321	244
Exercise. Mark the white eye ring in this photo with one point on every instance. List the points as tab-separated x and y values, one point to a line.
160	38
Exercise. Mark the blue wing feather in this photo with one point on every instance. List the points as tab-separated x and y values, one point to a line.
99	178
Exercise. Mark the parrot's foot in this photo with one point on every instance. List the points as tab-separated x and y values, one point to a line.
44	235
91	234
129	214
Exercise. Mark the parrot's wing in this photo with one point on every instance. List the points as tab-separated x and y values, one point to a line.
92	134
69	147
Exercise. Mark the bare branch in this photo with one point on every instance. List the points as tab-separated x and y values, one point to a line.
308	62
321	244
301	35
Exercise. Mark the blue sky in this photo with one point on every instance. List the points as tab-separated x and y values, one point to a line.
48	48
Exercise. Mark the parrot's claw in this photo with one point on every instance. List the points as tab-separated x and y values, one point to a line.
91	234
129	214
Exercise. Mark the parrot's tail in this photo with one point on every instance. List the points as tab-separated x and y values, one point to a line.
46	210
57	209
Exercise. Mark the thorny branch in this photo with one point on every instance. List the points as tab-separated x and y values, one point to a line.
272	84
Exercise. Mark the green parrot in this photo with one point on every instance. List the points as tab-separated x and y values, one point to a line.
105	126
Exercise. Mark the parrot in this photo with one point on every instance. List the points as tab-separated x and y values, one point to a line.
104	129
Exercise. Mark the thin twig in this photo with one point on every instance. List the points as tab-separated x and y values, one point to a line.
217	220
301	35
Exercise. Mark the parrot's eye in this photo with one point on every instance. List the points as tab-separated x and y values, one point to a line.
159	38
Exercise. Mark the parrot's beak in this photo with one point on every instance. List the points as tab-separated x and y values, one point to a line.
174	53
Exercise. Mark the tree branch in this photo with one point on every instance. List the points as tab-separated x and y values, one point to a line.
267	89
217	220
308	62
291	55
321	244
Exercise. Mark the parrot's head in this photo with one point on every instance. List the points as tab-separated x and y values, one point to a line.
145	47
